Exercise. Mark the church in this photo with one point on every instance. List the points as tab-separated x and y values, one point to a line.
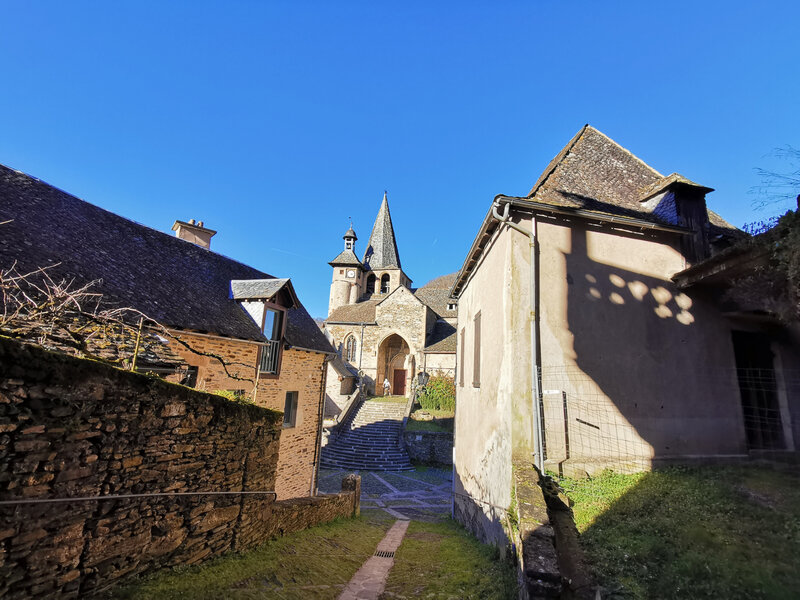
382	328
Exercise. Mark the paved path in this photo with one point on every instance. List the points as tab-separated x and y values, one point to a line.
370	579
422	495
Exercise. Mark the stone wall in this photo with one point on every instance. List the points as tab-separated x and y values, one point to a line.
429	446
241	357
80	430
302	372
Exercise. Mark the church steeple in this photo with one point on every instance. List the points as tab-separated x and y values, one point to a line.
381	250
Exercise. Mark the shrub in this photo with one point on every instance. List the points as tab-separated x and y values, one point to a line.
439	394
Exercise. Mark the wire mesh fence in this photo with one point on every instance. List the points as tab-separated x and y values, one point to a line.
634	421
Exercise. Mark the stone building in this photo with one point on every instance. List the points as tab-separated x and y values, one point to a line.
274	352
380	325
591	334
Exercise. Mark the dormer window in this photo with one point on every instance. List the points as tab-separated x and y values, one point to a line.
267	302
451	306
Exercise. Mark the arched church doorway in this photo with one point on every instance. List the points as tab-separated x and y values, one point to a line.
396	364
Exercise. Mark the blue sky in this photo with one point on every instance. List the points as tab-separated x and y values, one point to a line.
273	122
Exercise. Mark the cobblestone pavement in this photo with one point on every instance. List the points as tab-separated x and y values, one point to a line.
422	495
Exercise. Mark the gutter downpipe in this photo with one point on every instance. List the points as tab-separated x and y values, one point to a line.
536	416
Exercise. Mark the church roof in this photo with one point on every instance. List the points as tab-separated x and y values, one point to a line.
171	280
381	250
436	295
442	338
346	258
360	312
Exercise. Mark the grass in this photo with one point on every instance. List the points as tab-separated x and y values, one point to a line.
442	560
315	563
389	399
702	532
442	421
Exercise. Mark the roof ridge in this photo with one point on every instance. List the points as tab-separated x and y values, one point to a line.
556	160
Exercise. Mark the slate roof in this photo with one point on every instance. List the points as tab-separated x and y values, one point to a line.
593	175
260	289
593	172
436	295
342	368
173	281
360	312
442	338
346	258
381	251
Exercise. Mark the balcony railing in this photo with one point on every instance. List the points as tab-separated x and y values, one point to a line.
270	353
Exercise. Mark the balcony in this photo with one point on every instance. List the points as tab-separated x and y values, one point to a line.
270	353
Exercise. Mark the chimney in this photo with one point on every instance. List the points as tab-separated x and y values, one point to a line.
194	232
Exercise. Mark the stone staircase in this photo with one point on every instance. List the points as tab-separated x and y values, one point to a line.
369	440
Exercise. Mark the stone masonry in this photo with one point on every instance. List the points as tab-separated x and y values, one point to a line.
301	372
72	428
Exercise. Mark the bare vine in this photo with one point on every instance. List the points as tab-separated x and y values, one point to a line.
60	314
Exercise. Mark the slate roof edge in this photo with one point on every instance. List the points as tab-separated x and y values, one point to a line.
526	202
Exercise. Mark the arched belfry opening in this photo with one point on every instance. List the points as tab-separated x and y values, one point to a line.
395	363
385	283
371	283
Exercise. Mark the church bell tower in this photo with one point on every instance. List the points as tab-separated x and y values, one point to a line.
347	282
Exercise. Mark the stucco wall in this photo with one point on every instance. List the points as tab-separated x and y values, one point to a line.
483	423
650	368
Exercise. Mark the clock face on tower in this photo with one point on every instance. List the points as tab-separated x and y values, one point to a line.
351	273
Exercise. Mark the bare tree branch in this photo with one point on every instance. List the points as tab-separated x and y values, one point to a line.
65	316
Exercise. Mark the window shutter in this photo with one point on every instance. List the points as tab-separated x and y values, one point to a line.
476	366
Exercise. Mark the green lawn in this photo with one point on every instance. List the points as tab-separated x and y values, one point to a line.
316	563
442	560
702	532
435	560
442	421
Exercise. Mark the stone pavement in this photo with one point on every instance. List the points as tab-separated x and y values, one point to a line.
370	579
423	494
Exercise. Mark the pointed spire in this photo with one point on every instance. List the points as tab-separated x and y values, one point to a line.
381	250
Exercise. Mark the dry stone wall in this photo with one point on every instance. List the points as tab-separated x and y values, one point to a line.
429	446
79	430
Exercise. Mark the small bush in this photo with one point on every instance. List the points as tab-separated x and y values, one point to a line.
439	394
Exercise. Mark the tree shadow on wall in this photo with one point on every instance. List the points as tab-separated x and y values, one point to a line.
643	354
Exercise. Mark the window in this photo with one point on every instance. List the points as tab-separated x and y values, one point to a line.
451	306
461	362
371	283
270	352
290	410
476	352
385	284
350	348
